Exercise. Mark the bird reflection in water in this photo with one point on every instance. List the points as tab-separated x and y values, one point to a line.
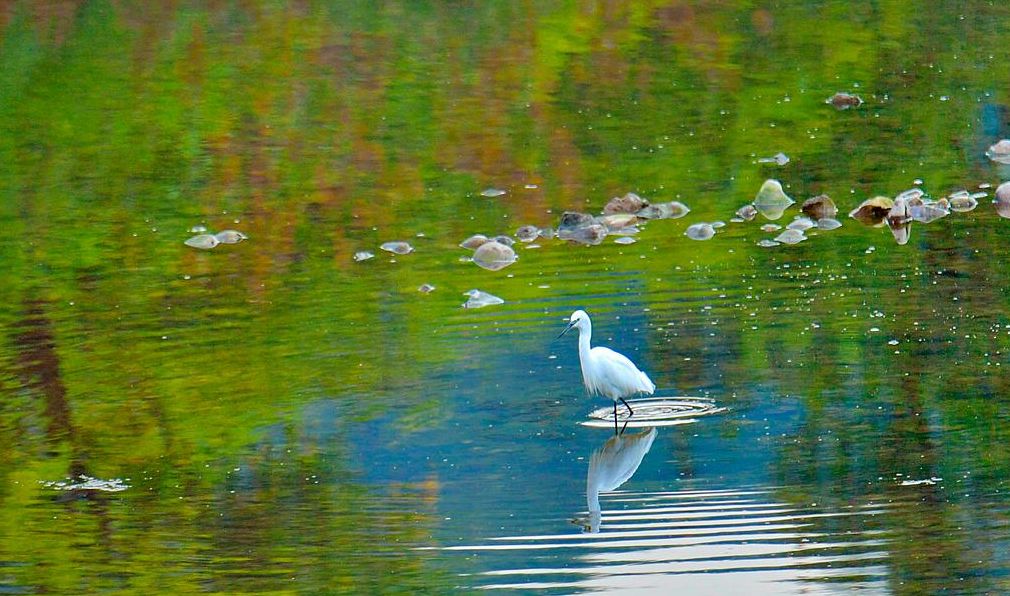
612	465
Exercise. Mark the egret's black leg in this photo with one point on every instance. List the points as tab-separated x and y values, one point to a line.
615	417
624	427
630	411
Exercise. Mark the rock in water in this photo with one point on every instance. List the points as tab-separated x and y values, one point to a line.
492	192
700	231
801	224
844	101
819	207
618	221
473	242
771	201
230	236
478	299
362	255
527	233
872	211
629	203
397	248
1000	152
747	212
671	210
1002	200
494	256
203	241
828	224
791	236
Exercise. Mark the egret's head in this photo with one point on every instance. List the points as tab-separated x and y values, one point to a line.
578	319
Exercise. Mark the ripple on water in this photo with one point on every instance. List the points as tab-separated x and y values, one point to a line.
655	411
697	541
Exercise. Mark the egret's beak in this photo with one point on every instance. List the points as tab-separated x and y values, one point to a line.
570	325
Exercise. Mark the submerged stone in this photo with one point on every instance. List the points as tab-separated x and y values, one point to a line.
872	211
478	299
926	212
801	223
624	240
473	242
790	236
397	248
963	204
700	231
747	212
573	219
828	223
527	233
819	207
618	221
494	256
901	233
363	255
779	158
629	203
771	201
426	288
671	210
203	241
1000	152
767	243
1002	200
770	227
844	101
492	192
593	234
198	229
230	236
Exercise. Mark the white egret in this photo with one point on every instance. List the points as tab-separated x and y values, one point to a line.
604	371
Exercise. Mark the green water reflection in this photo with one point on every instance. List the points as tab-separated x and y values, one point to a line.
291	420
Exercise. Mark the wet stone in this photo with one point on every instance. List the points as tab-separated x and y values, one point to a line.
629	203
963	204
844	101
494	256
671	210
397	248
827	224
203	241
790	236
492	192
819	207
801	223
230	236
506	240
766	243
718	224
700	231
572	219
198	229
747	212
770	228
771	201
779	159
473	242
479	299
618	221
1000	152
592	234
624	240
926	212
363	255
426	288
527	233
872	211
1002	200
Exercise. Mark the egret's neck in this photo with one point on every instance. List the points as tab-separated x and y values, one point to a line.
584	336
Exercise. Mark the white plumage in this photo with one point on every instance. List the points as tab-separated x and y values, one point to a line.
604	371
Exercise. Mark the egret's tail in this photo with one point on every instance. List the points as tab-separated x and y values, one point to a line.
647	385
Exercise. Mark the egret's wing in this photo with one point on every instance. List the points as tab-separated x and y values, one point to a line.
616	372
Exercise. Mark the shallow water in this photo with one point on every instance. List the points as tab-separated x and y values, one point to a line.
278	415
